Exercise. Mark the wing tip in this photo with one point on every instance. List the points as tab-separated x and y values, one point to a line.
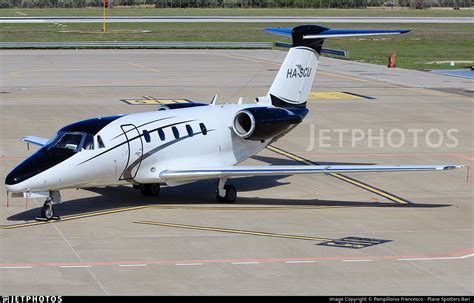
449	167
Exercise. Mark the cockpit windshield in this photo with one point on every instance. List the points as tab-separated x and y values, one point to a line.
69	141
74	141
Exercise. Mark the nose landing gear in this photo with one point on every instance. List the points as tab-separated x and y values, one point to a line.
47	211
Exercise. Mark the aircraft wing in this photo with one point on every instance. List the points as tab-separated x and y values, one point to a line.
36	140
241	171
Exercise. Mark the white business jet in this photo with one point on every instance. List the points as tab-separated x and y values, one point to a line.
183	143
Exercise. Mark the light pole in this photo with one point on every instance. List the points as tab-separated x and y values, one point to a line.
104	5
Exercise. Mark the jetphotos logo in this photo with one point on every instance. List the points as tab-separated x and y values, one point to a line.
298	72
32	299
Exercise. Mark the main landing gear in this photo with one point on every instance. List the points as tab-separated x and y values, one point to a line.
226	193
149	189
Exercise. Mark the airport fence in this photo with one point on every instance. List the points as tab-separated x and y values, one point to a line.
235	3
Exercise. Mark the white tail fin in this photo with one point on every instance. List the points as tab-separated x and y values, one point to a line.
293	82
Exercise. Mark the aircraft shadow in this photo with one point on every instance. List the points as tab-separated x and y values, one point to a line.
201	192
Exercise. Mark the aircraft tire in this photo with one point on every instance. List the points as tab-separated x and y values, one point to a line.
230	194
47	211
150	189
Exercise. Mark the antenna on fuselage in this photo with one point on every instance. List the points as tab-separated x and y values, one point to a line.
214	100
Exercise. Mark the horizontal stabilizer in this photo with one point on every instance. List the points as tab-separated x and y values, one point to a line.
35	140
312	36
334	33
242	171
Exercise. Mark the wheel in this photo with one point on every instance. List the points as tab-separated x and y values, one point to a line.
47	211
150	189
230	194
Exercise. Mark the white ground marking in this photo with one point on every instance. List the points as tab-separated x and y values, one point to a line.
256	262
299	262
132	265
245	263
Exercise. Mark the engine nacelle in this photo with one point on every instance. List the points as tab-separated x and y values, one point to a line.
261	123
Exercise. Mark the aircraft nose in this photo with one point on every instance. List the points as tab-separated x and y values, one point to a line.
32	166
12	178
22	172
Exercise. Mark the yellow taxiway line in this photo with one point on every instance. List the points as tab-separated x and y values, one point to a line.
233	231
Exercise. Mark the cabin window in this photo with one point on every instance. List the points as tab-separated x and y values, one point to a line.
189	129
147	136
175	132
100	142
89	142
203	128
161	134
